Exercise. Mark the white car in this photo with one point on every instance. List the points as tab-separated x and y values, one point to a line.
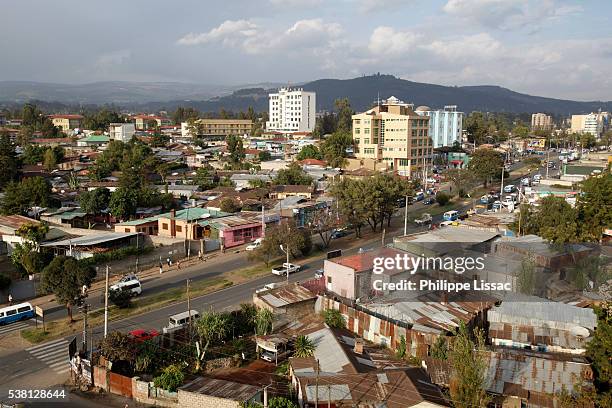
270	286
286	268
254	245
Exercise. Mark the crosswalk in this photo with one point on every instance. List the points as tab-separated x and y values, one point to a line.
13	327
54	354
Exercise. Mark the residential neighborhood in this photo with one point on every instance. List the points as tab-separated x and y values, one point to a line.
256	240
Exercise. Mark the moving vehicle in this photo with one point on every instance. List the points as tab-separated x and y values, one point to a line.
339	233
419	196
510	188
14	313
429	201
254	245
537	178
424	220
180	320
526	181
287	267
270	286
452	215
143	335
132	286
319	273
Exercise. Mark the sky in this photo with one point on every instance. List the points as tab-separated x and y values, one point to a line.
556	48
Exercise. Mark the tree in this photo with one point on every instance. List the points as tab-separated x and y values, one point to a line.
183	114
460	180
334	148
49	162
298	241
401	348
65	278
304	347
439	350
120	298
211	326
345	116
204	179
469	367
229	205
263	322
281	402
334	319
33	191
293	175
33	232
170	379
100	120
93	202
520	131
351	199
123	203
486	164
117	346
442	198
595	207
265	156
554	220
26	259
323	223
309	152
526	277
8	161
235	148
598	350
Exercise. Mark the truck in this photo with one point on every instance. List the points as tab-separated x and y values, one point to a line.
282	270
424	220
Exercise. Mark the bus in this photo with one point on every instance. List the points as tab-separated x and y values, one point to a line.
11	314
451	215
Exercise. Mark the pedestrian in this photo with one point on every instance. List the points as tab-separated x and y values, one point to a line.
200	255
178	264
161	269
168	261
10	299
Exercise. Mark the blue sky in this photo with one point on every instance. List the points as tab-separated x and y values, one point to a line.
557	48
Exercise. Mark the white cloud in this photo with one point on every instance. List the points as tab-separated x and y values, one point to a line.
387	40
368	6
229	32
508	14
480	45
296	3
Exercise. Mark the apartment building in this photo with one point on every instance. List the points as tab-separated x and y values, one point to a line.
217	127
541	121
393	133
145	122
124	132
445	125
66	122
592	123
292	110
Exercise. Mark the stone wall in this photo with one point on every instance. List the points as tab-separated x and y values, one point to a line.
188	399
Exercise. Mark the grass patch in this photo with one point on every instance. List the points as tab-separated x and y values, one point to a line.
35	335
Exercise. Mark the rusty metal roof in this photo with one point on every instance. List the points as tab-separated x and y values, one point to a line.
221	389
287	295
16	221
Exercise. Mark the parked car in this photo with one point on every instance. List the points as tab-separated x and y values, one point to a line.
452	215
143	335
270	286
510	188
339	233
254	245
319	273
286	267
180	320
424	220
132	286
419	196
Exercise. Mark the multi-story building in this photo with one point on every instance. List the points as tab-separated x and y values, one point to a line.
144	122
217	127
292	110
444	124
541	121
592	123
123	132
66	122
393	133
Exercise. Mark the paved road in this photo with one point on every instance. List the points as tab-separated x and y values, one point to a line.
45	365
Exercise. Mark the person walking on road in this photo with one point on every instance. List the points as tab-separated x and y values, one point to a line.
10	299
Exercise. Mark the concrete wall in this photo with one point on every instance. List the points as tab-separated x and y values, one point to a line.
193	400
145	393
342	279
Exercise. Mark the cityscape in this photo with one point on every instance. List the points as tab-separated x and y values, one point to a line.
306	204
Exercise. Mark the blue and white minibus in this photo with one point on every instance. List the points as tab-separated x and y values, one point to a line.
14	313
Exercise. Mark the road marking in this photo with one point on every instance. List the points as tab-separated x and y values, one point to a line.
53	354
13	327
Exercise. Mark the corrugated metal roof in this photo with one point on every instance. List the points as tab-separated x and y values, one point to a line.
221	389
91	239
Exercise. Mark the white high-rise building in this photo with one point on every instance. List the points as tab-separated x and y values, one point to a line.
444	124
292	110
123	132
592	123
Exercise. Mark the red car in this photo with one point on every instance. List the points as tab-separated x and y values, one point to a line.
143	335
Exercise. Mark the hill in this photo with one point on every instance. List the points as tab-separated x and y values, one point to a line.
361	91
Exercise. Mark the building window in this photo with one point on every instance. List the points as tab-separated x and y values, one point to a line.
329	279
164	226
179	228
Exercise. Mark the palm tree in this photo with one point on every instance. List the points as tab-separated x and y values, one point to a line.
212	326
304	347
263	322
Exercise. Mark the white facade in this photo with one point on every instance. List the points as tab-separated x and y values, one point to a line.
123	132
292	110
445	125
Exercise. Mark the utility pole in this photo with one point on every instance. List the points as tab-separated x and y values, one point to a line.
85	308
383	237
501	190
106	304
317	387
328	395
187	246
406	216
547	161
189	308
137	250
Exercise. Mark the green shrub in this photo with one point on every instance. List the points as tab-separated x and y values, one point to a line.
442	198
333	318
115	255
120	298
170	379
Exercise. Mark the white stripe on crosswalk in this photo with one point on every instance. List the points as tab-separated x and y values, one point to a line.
47	345
51	355
13	327
63	361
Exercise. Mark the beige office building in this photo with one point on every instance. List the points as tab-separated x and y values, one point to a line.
592	123
392	133
541	121
219	127
66	122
